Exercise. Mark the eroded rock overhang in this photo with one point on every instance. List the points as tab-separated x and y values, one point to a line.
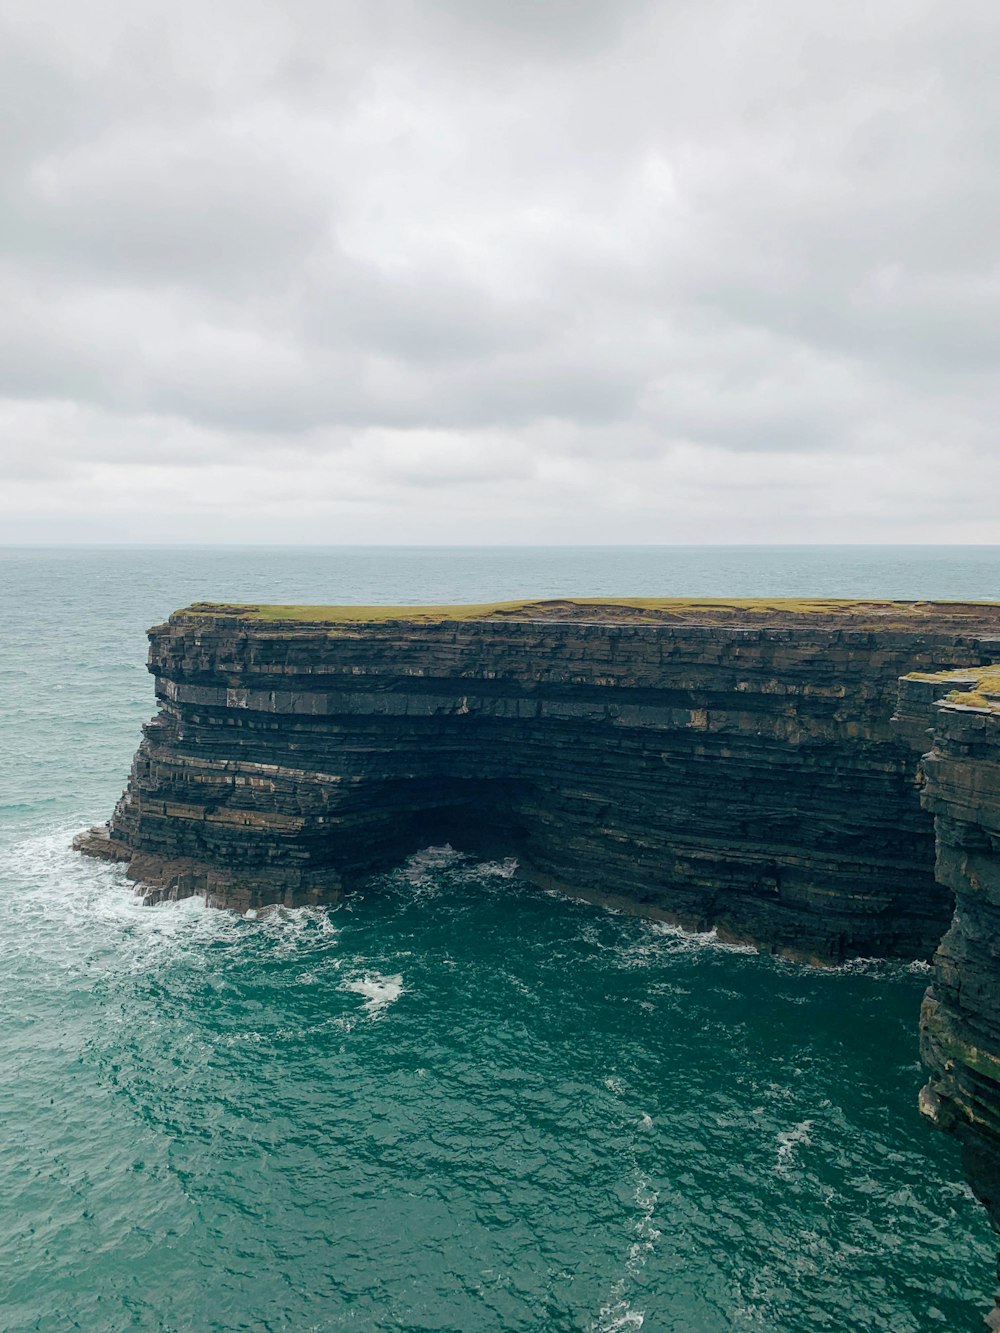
714	763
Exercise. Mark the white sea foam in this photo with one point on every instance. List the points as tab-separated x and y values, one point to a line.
919	968
790	1139
289	930
617	1316
505	869
520	986
617	1312
864	967
689	941
430	861
693	941
646	1234
67	909
420	872
379	991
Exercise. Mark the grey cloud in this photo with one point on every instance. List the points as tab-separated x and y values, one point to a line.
556	30
602	231
155	212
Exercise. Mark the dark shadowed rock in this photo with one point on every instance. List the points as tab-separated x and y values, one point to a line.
726	765
735	766
960	1018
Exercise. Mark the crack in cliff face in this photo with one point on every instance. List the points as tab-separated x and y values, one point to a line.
715	764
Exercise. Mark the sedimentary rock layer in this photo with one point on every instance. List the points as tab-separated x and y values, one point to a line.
727	765
960	1019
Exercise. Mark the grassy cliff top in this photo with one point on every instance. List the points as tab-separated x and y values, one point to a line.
975	687
833	612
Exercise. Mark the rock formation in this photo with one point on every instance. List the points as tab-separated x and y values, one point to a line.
734	765
728	765
960	1019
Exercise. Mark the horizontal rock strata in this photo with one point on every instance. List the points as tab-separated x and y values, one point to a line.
960	1019
716	764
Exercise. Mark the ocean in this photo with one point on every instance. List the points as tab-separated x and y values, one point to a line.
452	1101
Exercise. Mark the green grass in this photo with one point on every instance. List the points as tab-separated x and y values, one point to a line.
612	609
359	614
985	693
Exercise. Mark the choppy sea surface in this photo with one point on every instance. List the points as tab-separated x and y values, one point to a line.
451	1102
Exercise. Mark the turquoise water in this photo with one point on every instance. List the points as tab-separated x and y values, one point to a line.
453	1101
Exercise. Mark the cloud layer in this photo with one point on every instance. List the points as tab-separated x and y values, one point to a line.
451	270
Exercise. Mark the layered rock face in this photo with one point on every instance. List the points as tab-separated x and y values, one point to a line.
718	765
960	1019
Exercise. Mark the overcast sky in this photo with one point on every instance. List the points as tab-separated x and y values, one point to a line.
500	270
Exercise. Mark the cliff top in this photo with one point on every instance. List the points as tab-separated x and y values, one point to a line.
974	687
838	613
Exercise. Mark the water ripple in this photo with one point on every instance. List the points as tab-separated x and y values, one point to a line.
560	1118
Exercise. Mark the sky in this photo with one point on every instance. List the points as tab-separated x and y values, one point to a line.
499	271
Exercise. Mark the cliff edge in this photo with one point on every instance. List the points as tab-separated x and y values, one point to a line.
960	1017
747	766
718	764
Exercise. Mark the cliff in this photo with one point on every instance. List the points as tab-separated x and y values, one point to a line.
716	764
960	1018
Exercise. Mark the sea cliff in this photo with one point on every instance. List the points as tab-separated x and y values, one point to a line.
960	1018
819	778
728	765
